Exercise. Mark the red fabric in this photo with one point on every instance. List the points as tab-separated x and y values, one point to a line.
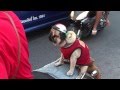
84	59
9	49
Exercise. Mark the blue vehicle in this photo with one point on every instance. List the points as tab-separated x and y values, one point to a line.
34	20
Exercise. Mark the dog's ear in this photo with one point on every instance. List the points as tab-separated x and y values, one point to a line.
70	37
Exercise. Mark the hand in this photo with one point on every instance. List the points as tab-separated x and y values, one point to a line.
94	32
70	72
72	15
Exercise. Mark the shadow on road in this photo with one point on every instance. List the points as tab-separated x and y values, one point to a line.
39	75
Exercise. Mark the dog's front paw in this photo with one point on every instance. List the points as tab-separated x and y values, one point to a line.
58	64
70	72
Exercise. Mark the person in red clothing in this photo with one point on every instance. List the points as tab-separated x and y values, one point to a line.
14	53
73	50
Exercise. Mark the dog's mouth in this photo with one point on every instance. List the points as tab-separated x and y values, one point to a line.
58	44
52	38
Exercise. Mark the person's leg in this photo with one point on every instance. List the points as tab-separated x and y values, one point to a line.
97	19
107	20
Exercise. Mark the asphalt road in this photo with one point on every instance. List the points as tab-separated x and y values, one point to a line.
104	47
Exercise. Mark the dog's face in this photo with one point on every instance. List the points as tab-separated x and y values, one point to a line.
55	38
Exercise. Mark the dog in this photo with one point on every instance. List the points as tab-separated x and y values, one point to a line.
74	50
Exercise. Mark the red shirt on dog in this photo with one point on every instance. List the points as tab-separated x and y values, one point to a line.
84	59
